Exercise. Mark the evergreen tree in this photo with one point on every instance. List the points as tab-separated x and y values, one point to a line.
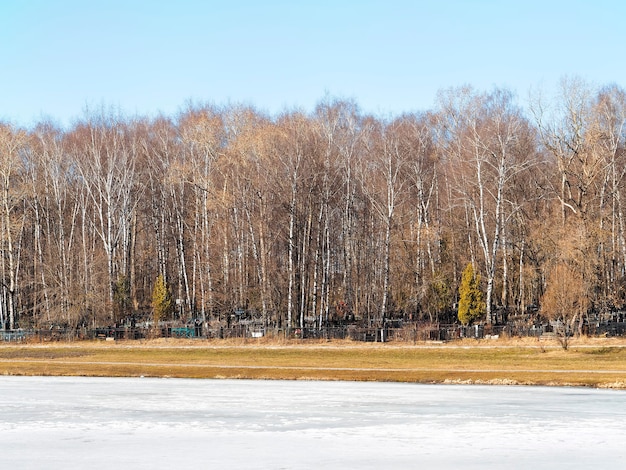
471	304
162	304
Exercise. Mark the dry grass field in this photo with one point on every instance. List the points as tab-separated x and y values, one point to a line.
588	362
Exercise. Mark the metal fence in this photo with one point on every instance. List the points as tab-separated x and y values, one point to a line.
412	332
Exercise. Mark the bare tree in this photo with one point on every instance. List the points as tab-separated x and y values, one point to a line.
249	189
106	159
487	149
565	300
56	220
383	181
608	134
584	133
12	142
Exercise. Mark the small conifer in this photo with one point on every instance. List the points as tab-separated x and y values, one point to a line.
162	304
471	304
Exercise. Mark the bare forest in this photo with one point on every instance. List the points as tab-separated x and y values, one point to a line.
311	219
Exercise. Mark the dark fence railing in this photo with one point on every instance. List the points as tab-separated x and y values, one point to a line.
408	333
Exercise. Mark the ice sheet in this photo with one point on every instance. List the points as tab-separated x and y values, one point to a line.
103	423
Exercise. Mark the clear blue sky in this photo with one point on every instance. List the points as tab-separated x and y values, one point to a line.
58	57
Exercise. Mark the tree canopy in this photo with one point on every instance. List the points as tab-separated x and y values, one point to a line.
291	216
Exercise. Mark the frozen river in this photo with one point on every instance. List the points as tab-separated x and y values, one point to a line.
99	423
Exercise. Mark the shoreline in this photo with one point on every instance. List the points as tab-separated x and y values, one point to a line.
590	362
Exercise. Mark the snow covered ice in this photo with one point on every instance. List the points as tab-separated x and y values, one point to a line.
103	423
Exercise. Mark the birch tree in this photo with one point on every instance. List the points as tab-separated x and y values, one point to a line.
344	135
106	160
583	136
12	193
609	128
56	221
487	150
383	181
202	135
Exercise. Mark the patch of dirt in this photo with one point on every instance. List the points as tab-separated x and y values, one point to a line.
39	353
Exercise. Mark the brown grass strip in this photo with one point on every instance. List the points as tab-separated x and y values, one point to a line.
595	365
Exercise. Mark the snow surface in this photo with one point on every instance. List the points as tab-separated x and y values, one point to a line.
104	423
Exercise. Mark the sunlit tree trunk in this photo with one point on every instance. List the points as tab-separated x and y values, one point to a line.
107	167
11	144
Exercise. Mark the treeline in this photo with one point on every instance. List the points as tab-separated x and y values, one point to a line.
311	218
